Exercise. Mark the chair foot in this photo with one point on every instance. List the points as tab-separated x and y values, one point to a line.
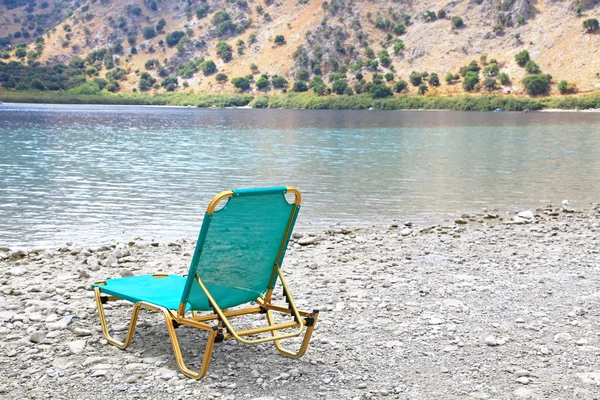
100	300
310	326
177	349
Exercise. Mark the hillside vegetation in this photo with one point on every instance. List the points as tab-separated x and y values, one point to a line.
330	48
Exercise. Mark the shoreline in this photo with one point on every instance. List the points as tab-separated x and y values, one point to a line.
307	100
499	309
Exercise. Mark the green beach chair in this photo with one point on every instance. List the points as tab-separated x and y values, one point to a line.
237	260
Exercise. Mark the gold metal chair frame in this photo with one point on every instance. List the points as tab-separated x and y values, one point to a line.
224	329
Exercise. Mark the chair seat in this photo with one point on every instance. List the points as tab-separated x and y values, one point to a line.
165	291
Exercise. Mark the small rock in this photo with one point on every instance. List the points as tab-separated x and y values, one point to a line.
523	380
491	340
523	393
435	321
522	372
563	337
460	221
77	346
526	214
406	231
581	342
307	241
37	336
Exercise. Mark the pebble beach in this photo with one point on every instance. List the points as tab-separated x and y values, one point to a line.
486	306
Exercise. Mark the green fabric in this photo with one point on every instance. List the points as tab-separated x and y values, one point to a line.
235	254
166	292
241	243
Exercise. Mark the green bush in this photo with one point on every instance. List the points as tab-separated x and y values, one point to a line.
208	67
300	86
489	83
398	47
220	77
591	25
456	22
536	84
389	76
434	79
449	78
303	75
202	11
280	82
241	83
173	38
224	51
522	58
504	78
399	29
262	83
148	32
170	83
562	87
339	86
416	78
531	67
279	39
400	86
470	80
381	91
422	89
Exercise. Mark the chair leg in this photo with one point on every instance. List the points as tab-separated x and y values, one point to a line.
132	323
177	349
305	341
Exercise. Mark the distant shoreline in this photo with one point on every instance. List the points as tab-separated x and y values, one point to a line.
307	100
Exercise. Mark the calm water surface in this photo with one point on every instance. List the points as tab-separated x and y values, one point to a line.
90	174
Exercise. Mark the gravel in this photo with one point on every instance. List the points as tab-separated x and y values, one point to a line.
487	308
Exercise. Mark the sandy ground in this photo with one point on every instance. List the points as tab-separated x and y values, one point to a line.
480	308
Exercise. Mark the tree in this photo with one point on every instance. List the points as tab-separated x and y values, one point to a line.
531	67
381	91
400	29
339	86
398	47
153	5
262	83
562	87
522	58
241	83
303	75
280	82
208	67
504	78
434	80
416	78
146	81
470	80
220	77
489	83
174	37
279	39
369	53
170	83
224	51
400	85
148	32
591	25
449	77
441	14
253	68
457	22
389	76
536	84
161	24
202	11
422	89
300	86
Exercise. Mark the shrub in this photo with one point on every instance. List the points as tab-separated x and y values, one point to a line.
470	80
422	89
389	76
536	84
449	78
400	29
220	17
562	87
148	32
400	85
381	91
457	22
202	11
369	53
339	86
303	75
262	82
174	37
280	82
398	47
416	78
208	67
434	80
300	86
220	77
224	51
279	39
161	24
491	70
531	67
146	81
522	58
241	83
20	52
170	83
504	78
591	25
489	83
441	14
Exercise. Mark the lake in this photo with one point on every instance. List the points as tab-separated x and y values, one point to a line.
91	174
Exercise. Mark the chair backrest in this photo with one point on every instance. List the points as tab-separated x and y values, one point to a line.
240	243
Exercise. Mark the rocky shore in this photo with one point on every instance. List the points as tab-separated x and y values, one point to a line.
489	306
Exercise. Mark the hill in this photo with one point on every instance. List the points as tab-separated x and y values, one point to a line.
339	46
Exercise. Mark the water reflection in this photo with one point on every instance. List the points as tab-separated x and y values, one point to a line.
91	174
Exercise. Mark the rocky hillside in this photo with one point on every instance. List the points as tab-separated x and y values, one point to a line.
271	45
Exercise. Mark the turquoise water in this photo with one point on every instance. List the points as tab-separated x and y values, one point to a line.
90	174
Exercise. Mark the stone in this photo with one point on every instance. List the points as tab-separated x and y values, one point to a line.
77	346
563	337
307	241
81	332
524	393
93	263
526	215
523	380
60	325
435	321
522	372
6	315
491	340
460	221
17	271
37	336
581	342
406	231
